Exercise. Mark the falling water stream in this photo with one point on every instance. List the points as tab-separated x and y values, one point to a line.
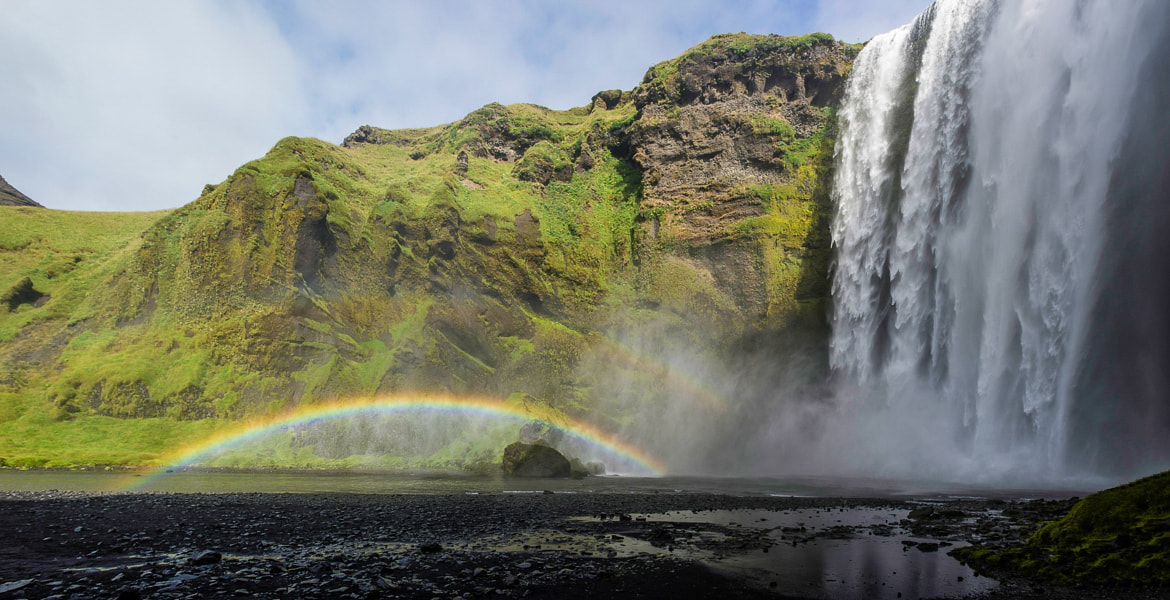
1001	276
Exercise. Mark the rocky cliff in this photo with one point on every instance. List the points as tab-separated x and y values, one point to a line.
573	259
10	196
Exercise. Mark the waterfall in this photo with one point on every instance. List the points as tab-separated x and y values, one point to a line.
1001	178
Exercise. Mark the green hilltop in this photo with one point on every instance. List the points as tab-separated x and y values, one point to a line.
550	257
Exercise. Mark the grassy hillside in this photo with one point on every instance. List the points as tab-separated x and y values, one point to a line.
569	258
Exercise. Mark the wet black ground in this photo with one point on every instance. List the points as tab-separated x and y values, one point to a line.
151	545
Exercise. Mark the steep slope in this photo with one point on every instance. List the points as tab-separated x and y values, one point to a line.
620	263
10	196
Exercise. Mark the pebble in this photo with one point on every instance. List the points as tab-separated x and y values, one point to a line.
414	547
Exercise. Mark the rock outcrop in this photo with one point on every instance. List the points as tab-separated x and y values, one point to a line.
534	460
10	196
729	114
734	139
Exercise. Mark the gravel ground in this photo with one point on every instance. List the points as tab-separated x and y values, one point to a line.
82	545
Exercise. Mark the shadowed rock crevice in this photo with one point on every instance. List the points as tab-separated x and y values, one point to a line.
22	293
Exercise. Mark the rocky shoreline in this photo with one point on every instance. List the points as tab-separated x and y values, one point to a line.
477	545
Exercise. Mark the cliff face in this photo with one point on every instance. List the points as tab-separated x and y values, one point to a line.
557	257
734	139
10	196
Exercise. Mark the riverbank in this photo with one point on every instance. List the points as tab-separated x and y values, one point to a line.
499	545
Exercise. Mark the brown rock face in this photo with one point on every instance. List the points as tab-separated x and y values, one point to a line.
10	196
735	142
722	117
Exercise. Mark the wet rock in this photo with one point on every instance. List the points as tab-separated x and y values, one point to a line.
12	586
581	470
534	460
207	557
925	512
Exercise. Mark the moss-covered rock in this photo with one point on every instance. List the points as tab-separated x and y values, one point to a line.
534	460
1117	537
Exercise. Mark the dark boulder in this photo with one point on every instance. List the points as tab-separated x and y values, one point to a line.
534	460
207	557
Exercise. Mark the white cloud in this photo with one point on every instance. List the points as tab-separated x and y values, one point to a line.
860	20
135	104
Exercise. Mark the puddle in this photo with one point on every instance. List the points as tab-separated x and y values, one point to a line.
852	553
864	567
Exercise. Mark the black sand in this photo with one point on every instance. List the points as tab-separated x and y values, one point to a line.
150	545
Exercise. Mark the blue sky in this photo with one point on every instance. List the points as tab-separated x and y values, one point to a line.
135	105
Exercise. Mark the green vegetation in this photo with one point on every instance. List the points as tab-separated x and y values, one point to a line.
495	256
1117	537
776	126
664	82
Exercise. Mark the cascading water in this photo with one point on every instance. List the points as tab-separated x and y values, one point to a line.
1001	184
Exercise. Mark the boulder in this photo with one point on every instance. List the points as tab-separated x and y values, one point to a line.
534	460
207	557
583	469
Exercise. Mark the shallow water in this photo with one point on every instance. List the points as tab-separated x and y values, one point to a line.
854	553
199	481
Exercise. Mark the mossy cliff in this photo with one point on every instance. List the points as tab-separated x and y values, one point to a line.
548	256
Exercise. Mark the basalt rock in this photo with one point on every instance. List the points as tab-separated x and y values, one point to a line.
725	116
534	460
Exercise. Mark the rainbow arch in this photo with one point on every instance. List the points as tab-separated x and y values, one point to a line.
488	407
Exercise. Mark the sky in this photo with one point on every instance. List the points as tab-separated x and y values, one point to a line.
130	105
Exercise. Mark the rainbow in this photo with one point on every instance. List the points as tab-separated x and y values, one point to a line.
487	407
676	381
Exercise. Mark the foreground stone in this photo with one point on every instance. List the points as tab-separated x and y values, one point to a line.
534	460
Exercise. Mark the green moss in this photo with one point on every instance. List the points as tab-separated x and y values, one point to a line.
543	162
777	126
1117	537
